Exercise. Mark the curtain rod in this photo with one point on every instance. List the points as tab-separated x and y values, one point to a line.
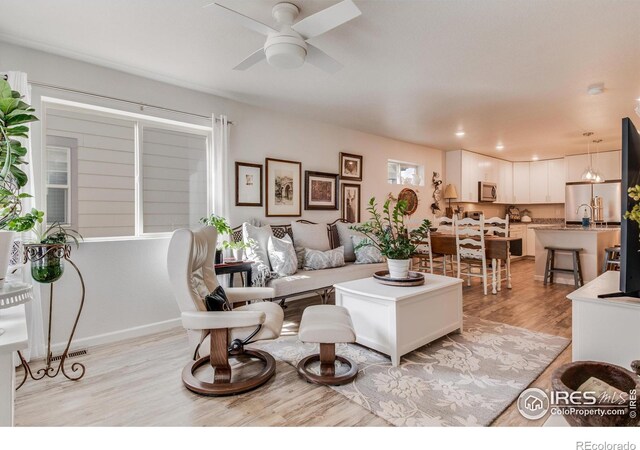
106	97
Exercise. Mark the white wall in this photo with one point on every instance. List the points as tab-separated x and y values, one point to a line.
126	282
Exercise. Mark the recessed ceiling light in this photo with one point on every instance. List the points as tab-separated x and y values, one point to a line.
499	147
595	89
534	158
460	133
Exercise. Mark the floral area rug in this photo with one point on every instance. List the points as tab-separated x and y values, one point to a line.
463	379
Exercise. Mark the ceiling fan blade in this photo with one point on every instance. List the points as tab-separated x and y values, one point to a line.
251	60
248	22
321	60
327	19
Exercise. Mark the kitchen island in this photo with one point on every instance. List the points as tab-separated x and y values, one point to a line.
592	241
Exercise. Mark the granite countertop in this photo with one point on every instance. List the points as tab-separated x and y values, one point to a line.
579	228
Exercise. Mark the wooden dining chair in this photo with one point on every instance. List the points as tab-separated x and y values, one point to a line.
444	225
495	226
423	255
470	250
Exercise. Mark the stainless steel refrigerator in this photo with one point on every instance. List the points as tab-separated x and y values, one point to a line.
581	193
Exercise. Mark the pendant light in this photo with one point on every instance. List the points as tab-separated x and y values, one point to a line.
588	174
597	176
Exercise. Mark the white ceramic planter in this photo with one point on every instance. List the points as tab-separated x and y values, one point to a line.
398	268
238	253
6	245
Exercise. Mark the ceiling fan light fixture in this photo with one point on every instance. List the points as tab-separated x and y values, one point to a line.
285	52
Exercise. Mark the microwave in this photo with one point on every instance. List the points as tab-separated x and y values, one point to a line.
487	192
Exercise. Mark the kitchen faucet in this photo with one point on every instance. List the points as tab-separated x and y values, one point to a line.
590	211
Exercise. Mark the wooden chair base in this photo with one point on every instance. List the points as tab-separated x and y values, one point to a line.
222	376
327	370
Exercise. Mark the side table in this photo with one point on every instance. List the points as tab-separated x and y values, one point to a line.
231	268
13	337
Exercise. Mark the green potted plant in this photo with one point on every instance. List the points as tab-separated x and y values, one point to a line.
388	233
14	115
237	248
220	224
634	214
49	250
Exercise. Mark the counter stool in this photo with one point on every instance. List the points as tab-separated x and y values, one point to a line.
550	267
611	258
327	325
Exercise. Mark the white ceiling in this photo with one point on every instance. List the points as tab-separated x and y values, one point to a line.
511	71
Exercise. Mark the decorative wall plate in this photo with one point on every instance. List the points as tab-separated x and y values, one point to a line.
411	197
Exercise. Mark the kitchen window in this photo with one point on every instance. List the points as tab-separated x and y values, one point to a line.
399	172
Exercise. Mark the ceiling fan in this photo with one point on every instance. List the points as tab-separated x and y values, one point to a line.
286	46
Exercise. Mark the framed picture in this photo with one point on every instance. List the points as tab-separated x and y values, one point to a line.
350	167
284	188
320	190
248	184
351	202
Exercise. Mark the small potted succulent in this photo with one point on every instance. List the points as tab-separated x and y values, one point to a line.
389	234
47	253
220	224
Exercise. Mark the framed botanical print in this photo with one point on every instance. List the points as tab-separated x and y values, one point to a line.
284	188
350	167
248	184
320	190
351	202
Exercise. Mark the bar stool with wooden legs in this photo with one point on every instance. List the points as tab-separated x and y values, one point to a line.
551	269
327	325
611	258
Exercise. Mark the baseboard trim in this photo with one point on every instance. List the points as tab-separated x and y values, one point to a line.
115	336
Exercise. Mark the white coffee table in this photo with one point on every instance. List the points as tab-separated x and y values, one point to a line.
396	320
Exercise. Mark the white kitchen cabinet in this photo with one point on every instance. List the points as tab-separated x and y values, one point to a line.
556	180
575	166
521	183
538	181
609	164
471	175
505	182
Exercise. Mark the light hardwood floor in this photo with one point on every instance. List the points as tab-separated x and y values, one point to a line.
137	382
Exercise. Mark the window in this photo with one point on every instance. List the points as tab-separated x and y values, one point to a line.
399	172
94	187
58	185
174	189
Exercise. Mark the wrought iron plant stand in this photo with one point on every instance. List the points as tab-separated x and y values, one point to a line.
41	255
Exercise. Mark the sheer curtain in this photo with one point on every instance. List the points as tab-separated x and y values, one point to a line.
221	184
18	82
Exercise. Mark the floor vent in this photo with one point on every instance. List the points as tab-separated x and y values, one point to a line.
70	355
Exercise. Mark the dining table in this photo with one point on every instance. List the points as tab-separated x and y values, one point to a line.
497	248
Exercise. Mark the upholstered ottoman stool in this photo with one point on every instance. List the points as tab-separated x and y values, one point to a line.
327	325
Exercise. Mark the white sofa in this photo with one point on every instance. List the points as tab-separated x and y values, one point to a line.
320	282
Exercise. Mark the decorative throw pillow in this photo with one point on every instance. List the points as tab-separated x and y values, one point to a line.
317	259
258	240
309	235
217	300
367	254
344	236
282	256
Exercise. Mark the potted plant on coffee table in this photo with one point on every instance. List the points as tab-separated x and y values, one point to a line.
237	248
220	224
388	233
14	115
46	254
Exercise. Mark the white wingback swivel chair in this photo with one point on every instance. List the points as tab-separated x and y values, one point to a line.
190	263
